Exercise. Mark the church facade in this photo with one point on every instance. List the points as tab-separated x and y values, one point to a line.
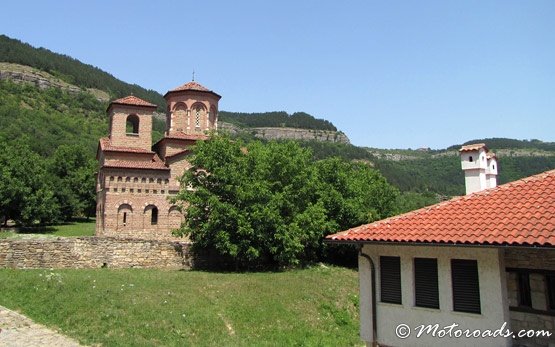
136	179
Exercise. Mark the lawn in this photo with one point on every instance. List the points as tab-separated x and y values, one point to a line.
71	229
136	307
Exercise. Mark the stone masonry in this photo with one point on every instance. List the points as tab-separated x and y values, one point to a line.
93	252
539	318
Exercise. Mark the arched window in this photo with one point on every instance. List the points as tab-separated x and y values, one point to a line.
132	125
199	112
151	212
470	159
125	212
154	216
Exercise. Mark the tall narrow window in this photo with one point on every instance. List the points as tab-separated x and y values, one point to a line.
466	286
124	218
426	290
154	216
132	125
524	292
197	118
390	276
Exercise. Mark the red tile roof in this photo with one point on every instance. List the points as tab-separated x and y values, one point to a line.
185	151
155	164
134	101
521	213
183	136
191	86
105	146
194	86
473	147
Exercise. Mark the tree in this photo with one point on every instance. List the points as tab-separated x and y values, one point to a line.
25	195
271	204
73	176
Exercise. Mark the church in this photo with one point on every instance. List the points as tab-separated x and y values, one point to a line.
136	179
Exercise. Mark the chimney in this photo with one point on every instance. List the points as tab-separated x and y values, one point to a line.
479	166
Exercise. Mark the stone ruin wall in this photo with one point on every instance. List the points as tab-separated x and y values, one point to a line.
530	259
93	252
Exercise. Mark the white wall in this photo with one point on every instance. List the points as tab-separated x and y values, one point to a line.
475	181
493	296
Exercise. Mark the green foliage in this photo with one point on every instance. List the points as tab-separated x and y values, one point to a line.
441	175
505	143
72	70
51	118
25	193
410	201
271	204
322	150
73	175
276	119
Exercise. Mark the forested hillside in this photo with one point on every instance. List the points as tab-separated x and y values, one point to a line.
72	70
85	76
276	119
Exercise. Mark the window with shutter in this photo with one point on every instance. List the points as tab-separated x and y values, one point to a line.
426	291
390	276
466	286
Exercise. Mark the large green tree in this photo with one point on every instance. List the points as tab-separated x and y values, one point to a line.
272	204
25	194
72	172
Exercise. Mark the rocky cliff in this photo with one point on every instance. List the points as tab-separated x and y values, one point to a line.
270	133
26	74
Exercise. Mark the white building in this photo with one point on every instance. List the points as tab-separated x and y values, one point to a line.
483	261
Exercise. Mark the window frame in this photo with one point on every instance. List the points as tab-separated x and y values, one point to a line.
391	282
425	283
549	291
464	284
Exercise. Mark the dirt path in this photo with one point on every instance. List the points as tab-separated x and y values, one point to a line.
17	330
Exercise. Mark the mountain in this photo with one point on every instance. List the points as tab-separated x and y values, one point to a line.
52	99
72	70
45	68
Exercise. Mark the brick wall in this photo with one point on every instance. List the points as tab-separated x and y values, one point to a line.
93	252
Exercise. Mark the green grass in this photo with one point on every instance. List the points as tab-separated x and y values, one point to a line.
133	307
72	229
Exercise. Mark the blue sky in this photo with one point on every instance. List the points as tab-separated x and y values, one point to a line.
390	74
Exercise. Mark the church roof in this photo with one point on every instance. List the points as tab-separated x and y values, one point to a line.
133	101
106	146
154	164
192	86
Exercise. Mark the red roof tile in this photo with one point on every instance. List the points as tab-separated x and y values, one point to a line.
185	151
473	147
194	86
155	164
191	86
134	101
105	146
519	213
183	136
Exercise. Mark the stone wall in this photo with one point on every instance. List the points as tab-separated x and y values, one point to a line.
93	252
540	260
